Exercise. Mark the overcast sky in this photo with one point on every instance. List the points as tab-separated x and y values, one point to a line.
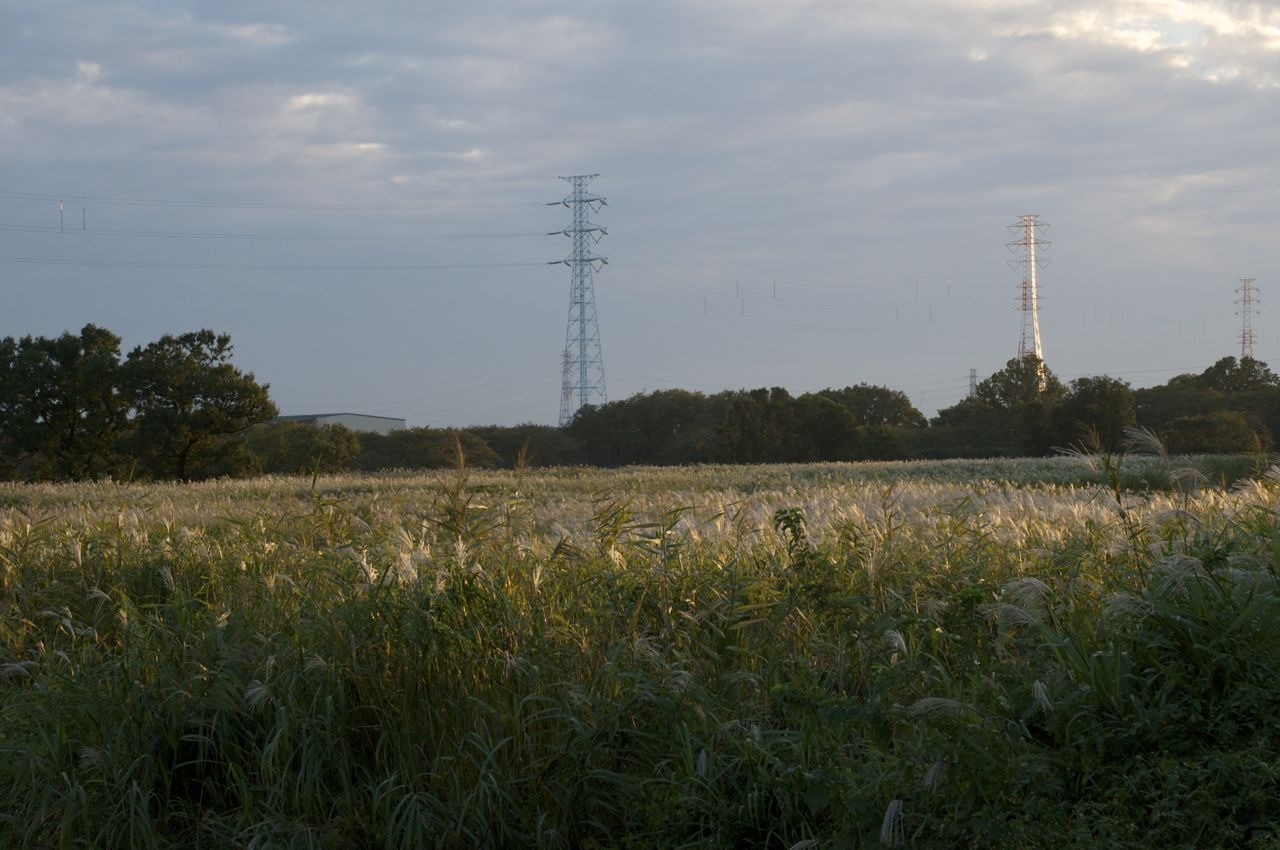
800	194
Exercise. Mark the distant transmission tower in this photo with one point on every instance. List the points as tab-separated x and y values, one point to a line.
582	366
973	382
1247	311
1026	243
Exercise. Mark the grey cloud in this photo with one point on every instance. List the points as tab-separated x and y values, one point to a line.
819	142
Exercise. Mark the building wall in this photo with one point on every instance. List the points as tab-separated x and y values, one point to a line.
357	422
354	421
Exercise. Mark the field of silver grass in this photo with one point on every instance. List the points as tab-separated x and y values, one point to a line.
930	654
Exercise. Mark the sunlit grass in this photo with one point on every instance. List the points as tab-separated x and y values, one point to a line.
936	654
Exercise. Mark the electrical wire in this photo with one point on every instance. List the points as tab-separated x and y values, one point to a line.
260	267
207	175
299	237
255	205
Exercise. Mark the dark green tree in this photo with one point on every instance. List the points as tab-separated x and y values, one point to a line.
1010	413
423	448
873	406
1022	381
661	427
756	426
1232	376
293	448
1096	406
1220	432
822	430
1181	395
530	445
969	428
61	411
189	402
1246	387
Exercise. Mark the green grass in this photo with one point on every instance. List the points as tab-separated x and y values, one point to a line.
982	654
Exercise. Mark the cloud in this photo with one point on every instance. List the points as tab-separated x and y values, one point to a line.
816	140
255	34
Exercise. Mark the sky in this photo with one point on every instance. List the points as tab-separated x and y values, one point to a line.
800	193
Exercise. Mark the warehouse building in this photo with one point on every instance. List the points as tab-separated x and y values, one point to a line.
354	421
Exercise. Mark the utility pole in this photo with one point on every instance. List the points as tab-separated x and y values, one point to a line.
1247	311
1026	244
582	365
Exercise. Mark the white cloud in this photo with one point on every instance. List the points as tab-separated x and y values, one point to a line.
322	100
1218	41
255	35
820	139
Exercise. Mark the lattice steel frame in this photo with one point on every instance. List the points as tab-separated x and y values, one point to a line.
582	365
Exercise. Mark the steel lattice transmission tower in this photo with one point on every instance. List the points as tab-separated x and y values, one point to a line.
1026	244
582	366
1247	311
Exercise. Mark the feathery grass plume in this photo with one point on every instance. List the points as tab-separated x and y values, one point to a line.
17	669
1040	694
1086	458
934	776
1028	592
1142	440
892	830
1008	615
1125	605
314	663
558	699
257	694
928	707
898	644
1170	575
933	608
1188	480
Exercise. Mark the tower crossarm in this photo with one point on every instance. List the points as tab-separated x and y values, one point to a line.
582	364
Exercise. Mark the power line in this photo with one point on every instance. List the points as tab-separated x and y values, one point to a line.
731	272
299	237
260	267
208	174
257	205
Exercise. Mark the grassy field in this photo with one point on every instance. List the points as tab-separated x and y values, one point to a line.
946	654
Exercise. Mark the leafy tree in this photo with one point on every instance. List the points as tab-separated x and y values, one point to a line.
661	427
1220	432
1027	391
871	405
61	412
423	448
757	425
1011	413
1229	375
1182	395
969	428
539	445
1022	381
1246	386
189	401
294	448
1100	406
823	430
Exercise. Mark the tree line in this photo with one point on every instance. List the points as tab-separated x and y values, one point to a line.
1021	410
71	407
74	407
